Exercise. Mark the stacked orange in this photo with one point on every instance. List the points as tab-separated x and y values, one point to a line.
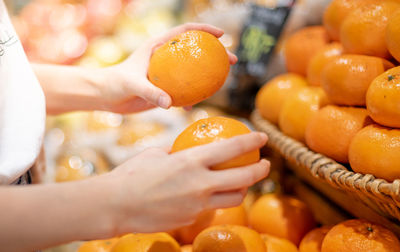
360	83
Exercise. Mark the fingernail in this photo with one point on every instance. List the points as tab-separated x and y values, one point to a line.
164	101
263	136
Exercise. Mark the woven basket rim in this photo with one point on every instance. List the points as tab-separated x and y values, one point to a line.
327	169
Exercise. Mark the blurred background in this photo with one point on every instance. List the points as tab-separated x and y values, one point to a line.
100	33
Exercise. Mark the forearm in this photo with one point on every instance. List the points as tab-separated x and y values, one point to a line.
36	217
72	88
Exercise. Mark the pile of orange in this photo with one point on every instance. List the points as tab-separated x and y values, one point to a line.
277	223
355	116
274	223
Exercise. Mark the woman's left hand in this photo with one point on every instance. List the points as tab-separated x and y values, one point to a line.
128	89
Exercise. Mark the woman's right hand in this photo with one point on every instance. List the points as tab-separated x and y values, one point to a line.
157	191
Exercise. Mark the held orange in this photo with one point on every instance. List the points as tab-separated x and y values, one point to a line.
375	150
320	60
383	98
154	242
346	78
302	46
393	36
190	67
360	236
212	129
312	242
298	109
364	30
282	216
332	128
337	11
272	95
228	238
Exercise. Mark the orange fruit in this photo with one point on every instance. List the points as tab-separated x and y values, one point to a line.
332	128
346	78
276	244
228	238
98	245
272	95
282	216
190	67
375	150
187	248
337	11
302	45
393	36
187	234
364	30
383	98
298	109
360	236
312	242
230	216
154	242
320	60
212	129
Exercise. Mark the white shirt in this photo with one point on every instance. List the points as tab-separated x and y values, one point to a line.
22	106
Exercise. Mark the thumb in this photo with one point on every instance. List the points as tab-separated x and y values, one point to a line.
153	94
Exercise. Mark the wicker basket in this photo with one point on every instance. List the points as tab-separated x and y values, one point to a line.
378	194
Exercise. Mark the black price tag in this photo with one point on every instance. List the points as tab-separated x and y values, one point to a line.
258	39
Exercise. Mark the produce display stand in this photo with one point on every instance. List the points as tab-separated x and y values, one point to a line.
363	196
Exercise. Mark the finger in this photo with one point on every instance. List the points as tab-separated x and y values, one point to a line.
134	104
232	58
242	177
217	32
188	108
226	149
155	152
166	148
225	200
153	94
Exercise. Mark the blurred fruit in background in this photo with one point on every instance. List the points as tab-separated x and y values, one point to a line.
363	31
98	245
336	13
230	216
330	122
299	108
152	242
276	244
301	46
346	78
85	163
282	216
272	95
320	60
312	241
393	36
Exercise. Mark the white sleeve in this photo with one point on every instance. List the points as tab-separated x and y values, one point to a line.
22	106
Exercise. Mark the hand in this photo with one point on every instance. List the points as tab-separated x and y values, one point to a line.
158	191
128	89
